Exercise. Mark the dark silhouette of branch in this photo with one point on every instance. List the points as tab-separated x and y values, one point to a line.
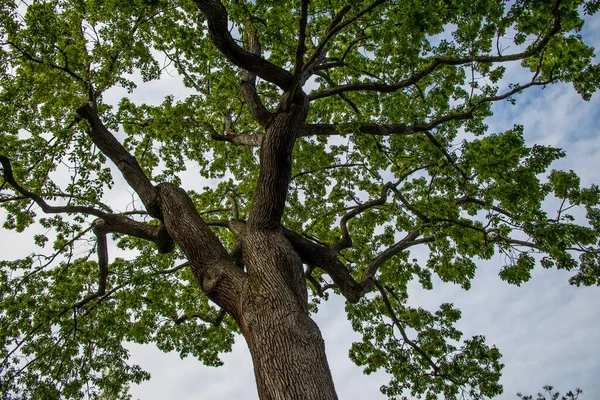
127	164
346	241
30	57
174	269
181	69
301	48
10	199
367	128
109	223
217	18
251	97
343	96
320	289
409	206
334	28
489	206
438	62
334	62
102	248
48	209
398	324
216	320
447	155
334	166
316	255
412	239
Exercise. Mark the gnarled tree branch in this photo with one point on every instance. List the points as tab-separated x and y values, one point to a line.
210	262
107	222
217	18
127	164
438	62
412	239
346	241
216	320
251	97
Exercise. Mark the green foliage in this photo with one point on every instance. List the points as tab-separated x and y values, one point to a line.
471	365
469	193
550	394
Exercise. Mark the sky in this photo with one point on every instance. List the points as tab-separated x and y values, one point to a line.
546	329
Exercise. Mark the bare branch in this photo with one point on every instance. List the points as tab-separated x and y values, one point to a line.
10	199
251	97
334	28
367	128
95	296
319	256
174	269
334	166
244	139
28	56
408	241
175	59
446	154
102	248
482	203
233	202
346	241
48	209
217	18
438	62
127	164
218	222
405	202
333	63
214	210
216	320
114	223
343	96
301	49
398	325
107	222
318	287
535	246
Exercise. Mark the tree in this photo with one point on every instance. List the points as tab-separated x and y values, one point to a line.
330	133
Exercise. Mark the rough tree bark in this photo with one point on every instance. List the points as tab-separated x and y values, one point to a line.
286	345
268	296
264	289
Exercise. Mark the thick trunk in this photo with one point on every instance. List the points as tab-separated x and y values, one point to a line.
269	300
287	349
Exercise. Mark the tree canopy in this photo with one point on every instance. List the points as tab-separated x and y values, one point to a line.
355	130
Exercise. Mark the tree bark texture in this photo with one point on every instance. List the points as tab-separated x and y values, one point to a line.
287	349
269	302
268	297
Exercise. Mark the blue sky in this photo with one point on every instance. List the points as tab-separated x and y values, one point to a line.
546	329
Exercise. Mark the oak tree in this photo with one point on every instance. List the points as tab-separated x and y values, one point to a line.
327	139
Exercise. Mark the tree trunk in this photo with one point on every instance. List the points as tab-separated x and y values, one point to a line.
287	349
270	300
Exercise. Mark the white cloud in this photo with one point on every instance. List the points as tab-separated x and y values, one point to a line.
546	329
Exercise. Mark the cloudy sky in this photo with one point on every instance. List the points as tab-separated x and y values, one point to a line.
547	330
